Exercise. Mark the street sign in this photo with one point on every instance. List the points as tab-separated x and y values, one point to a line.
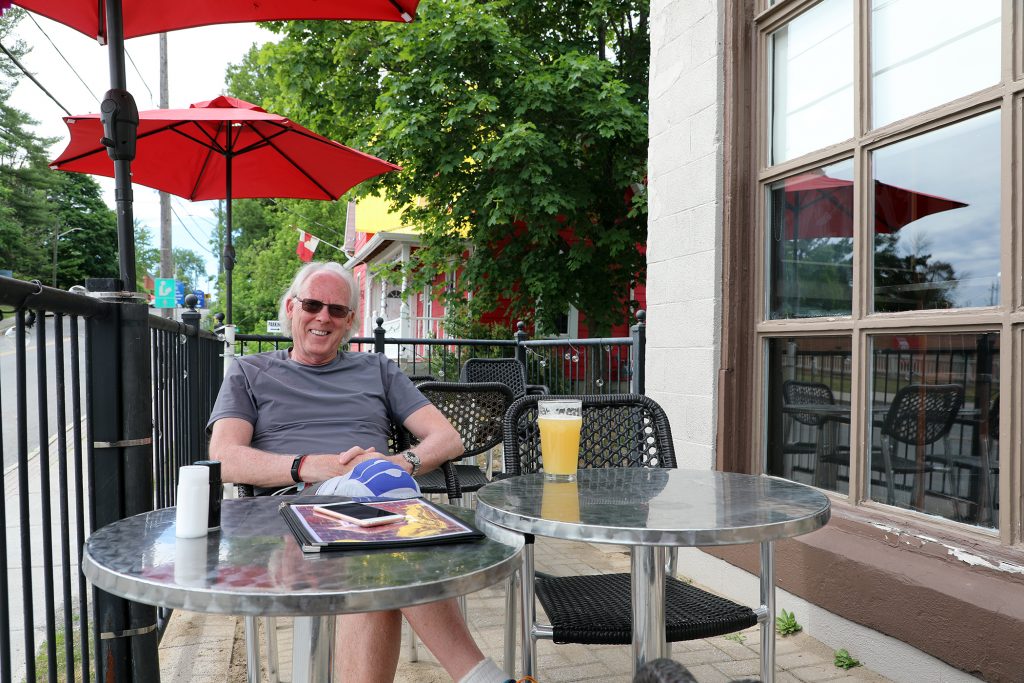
164	292
179	293
201	295
273	327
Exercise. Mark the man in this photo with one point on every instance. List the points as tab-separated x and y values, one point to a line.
282	417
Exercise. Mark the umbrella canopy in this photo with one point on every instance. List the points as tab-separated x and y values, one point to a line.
143	17
817	205
193	152
222	149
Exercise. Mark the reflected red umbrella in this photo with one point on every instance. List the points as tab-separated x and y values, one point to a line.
221	149
143	17
819	206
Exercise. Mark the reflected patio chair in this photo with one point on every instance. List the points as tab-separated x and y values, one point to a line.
626	430
919	415
476	411
826	451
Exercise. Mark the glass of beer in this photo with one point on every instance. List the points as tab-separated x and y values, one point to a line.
560	421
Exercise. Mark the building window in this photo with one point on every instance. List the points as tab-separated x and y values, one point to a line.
888	175
928	52
936	218
812	80
811	243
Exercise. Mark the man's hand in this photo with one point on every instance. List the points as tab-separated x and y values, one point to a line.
356	455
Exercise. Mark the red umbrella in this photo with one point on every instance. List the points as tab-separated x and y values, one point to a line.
143	17
819	206
114	20
221	149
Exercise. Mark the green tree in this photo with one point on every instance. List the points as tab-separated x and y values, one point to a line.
909	279
88	247
522	124
147	257
189	268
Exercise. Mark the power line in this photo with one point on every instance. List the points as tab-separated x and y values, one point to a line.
47	36
141	77
183	225
33	79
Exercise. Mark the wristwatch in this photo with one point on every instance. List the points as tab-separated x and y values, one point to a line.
296	464
412	459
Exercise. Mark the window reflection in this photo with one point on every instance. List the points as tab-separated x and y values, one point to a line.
928	52
812	80
809	410
935	424
936	218
811	243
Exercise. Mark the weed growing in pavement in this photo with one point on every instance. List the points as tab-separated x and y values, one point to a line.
843	660
786	624
738	637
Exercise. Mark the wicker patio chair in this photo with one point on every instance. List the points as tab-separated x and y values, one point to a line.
476	411
505	370
618	431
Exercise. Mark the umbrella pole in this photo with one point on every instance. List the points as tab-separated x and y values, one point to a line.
229	249
127	649
122	166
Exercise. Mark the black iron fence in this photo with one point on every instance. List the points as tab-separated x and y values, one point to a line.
607	365
101	403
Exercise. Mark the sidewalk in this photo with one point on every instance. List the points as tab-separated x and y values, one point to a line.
200	648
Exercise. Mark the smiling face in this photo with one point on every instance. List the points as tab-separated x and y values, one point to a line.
317	336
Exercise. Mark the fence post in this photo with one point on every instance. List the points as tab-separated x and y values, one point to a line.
520	337
378	336
120	460
194	378
639	334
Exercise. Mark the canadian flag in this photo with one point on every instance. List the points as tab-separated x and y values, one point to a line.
307	245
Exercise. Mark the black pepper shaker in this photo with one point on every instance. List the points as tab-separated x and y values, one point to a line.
216	492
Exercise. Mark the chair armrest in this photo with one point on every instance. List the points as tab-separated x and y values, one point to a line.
537	390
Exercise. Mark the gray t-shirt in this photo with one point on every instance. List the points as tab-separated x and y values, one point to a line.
297	408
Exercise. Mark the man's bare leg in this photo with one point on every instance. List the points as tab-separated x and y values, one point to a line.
442	628
367	646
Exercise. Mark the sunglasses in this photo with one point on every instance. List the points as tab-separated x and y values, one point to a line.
314	306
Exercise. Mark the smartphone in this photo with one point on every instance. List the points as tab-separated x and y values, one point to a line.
357	513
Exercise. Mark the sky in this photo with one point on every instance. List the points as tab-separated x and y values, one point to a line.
197	61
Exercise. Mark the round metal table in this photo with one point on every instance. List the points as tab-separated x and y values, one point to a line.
253	567
648	510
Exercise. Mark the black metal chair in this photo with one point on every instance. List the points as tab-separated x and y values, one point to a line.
919	415
476	411
626	430
508	371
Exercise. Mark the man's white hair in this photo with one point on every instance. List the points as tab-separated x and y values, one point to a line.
305	273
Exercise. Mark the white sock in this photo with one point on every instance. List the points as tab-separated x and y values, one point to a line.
486	671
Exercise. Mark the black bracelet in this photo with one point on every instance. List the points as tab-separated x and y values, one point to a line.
296	464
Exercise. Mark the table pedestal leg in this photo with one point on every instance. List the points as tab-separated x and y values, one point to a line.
768	601
528	613
648	579
511	612
313	649
252	650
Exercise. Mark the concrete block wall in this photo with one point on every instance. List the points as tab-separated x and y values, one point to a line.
684	234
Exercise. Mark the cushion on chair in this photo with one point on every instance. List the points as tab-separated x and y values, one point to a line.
598	610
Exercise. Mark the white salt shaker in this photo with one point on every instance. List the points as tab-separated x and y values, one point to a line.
193	501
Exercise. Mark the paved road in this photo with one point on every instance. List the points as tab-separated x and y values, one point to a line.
9	384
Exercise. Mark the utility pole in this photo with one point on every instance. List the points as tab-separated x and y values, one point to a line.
166	250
